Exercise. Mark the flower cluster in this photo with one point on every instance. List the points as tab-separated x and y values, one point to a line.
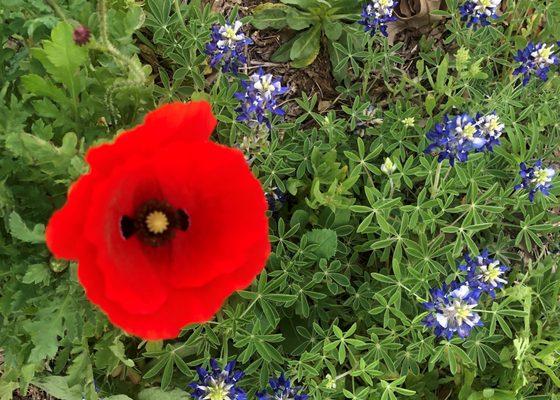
260	98
222	384
451	310
376	14
484	273
227	46
452	307
218	384
535	59
458	135
477	12
282	389
536	178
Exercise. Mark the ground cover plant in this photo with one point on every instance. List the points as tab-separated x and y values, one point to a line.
408	153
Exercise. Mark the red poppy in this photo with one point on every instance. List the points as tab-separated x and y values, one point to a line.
166	224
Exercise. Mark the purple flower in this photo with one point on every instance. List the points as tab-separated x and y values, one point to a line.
218	384
484	273
259	98
227	46
477	12
376	14
535	59
455	138
452	310
81	35
282	389
536	179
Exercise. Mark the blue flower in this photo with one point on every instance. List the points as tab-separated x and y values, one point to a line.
227	46
455	138
259	97
491	129
451	310
484	273
535	59
376	14
218	384
282	389
536	179
477	12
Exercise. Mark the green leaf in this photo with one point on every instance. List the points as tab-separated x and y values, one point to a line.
20	231
326	239
57	386
158	394
36	273
298	20
332	29
306	47
270	15
41	87
441	78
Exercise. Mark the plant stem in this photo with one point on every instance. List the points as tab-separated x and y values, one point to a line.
57	10
435	183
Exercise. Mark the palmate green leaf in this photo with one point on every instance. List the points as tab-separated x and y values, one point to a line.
20	231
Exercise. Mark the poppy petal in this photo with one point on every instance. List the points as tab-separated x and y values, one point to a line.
171	123
65	225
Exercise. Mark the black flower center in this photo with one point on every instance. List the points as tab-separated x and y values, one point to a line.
154	223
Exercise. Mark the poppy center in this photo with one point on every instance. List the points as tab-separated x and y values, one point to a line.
154	223
157	222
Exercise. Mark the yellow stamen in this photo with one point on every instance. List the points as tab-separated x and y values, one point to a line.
469	131
157	222
546	52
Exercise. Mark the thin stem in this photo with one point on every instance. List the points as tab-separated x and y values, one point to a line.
435	184
250	306
57	10
392	187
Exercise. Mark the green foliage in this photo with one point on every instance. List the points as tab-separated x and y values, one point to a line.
355	251
312	20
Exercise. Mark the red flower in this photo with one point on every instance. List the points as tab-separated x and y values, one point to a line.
166	225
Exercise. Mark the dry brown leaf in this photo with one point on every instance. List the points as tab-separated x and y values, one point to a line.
413	14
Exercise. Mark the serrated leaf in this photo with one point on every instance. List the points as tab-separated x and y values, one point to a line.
20	231
326	239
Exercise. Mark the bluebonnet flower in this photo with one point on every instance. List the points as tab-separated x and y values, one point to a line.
455	138
259	97
535	59
227	45
376	14
535	178
218	384
484	273
477	12
451	310
491	128
282	389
